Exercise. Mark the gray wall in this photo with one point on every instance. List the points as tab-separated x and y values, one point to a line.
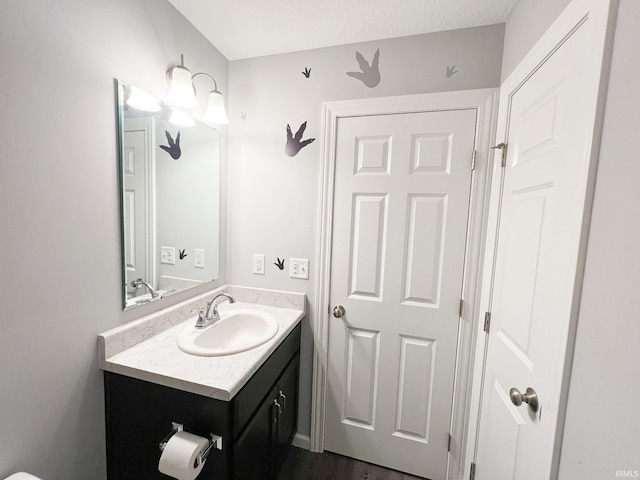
273	198
602	433
59	212
528	20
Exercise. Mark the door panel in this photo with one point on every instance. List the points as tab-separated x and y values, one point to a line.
368	235
361	377
425	242
415	388
400	217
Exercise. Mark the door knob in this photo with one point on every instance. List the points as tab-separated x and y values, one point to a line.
530	397
338	311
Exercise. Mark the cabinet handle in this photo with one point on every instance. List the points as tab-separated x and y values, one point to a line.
275	418
284	401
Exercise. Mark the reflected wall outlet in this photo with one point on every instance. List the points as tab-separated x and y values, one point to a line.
168	255
198	257
299	268
258	264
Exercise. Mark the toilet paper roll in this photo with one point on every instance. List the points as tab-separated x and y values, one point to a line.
178	458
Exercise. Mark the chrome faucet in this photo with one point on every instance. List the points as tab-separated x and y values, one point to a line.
139	283
209	315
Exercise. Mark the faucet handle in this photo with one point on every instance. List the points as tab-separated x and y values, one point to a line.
200	321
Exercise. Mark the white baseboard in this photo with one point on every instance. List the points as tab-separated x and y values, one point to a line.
301	441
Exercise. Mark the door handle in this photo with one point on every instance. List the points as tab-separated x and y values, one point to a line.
338	311
530	397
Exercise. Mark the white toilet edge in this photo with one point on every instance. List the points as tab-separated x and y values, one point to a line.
22	476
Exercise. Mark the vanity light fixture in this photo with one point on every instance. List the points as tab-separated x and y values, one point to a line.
181	119
215	113
141	100
182	94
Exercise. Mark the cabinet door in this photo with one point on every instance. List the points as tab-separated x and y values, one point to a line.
260	451
252	452
286	394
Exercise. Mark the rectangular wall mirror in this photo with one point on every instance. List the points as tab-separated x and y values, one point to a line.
170	198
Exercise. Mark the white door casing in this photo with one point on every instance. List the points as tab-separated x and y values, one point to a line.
137	177
548	112
483	102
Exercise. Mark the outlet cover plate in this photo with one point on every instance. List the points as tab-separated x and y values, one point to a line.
168	255
299	268
258	264
198	257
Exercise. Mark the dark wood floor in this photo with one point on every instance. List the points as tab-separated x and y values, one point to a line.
303	465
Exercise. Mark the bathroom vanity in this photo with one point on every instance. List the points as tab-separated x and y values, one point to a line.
249	398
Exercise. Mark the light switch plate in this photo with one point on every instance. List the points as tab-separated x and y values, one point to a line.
198	257
168	255
258	264
299	268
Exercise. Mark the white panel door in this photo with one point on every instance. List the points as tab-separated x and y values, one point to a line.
136	172
400	217
548	129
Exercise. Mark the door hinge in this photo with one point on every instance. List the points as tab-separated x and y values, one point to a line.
474	157
472	472
461	308
449	444
503	148
487	321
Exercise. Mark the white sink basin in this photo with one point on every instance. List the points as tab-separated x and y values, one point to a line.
238	330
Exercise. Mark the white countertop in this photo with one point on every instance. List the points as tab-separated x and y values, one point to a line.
158	359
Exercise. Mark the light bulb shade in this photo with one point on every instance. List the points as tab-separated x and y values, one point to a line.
181	93
181	119
215	113
141	100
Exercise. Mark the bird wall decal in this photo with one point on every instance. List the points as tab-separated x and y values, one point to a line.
174	146
280	263
307	72
451	71
182	253
369	74
295	144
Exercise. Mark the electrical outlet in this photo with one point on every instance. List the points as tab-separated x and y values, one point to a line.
198	257
299	268
168	255
258	264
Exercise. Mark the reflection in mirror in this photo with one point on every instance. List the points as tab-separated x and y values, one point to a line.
169	180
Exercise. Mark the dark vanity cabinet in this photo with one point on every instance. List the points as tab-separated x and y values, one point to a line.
257	425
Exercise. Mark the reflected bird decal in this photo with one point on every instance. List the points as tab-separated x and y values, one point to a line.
174	147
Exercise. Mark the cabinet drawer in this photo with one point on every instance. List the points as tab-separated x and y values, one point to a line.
247	400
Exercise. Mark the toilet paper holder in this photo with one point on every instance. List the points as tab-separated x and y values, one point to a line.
215	441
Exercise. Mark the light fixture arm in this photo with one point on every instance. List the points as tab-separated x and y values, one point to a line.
215	84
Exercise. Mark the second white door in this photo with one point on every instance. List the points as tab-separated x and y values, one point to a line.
399	231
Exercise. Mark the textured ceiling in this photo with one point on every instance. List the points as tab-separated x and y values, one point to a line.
254	28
